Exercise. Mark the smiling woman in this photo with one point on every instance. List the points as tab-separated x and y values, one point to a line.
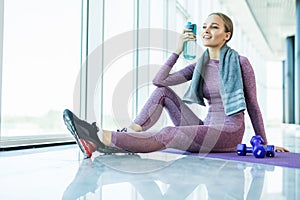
221	76
216	31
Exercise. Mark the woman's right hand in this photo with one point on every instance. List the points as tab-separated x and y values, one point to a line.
281	149
186	35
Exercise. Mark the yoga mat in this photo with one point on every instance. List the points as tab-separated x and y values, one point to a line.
283	159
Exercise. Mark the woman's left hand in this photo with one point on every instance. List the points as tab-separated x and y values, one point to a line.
281	149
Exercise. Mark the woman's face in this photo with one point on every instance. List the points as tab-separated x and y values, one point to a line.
213	32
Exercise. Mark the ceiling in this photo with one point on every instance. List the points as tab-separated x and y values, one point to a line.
267	22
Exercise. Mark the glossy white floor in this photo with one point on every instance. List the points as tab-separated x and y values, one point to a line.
61	173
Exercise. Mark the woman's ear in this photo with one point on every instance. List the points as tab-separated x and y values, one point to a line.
227	37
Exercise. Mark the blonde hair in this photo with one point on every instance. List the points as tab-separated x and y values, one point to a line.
228	25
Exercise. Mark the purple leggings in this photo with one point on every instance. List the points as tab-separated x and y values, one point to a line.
189	133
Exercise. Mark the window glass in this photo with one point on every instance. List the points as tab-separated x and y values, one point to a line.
41	60
118	75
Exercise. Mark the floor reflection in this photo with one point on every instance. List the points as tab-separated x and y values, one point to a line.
180	178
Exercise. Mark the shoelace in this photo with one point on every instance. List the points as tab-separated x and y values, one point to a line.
122	130
118	130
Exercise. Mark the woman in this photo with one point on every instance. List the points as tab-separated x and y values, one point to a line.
222	77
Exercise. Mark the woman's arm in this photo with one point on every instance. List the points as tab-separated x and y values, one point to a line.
251	101
164	78
253	109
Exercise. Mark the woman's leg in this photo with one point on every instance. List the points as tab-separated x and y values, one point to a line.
165	97
197	138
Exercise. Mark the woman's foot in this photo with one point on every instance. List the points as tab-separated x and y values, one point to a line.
86	136
135	127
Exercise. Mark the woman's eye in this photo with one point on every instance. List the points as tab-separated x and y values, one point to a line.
203	27
215	27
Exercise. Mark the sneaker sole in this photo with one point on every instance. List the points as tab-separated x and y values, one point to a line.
71	127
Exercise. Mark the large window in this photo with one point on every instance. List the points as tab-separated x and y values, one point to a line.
41	61
87	55
118	74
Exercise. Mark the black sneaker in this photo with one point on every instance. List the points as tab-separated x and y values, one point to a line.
86	136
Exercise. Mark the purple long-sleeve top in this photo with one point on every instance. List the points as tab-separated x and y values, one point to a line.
211	88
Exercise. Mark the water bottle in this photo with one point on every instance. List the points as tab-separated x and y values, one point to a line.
189	50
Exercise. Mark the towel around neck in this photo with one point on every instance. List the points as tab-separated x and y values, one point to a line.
231	83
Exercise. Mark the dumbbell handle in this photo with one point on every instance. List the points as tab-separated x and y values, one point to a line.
249	150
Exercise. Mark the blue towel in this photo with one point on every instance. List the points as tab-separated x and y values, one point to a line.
231	83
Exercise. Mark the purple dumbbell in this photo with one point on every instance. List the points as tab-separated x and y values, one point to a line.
242	150
257	148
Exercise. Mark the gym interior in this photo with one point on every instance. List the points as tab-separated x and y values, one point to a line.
98	58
